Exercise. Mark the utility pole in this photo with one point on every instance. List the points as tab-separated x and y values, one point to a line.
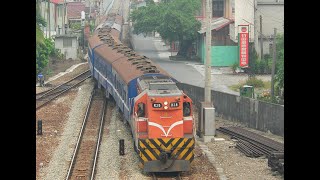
47	15
206	125
64	15
261	38
89	8
49	18
274	62
207	89
83	17
255	25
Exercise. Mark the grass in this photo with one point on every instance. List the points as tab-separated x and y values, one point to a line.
258	85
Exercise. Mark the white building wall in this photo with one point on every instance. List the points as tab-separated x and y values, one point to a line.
272	17
243	15
70	52
60	14
270	1
44	13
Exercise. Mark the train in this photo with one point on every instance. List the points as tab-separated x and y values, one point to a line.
160	115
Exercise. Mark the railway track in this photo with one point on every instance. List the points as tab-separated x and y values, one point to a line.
38	95
160	176
84	158
252	144
47	96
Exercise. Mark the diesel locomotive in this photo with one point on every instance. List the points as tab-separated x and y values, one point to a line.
159	114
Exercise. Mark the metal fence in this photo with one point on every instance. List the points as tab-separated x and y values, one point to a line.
253	113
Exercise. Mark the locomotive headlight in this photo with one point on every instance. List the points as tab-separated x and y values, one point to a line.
165	103
165	107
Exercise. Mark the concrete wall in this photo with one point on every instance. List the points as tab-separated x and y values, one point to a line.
255	114
70	52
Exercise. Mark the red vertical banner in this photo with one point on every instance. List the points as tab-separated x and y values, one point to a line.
243	45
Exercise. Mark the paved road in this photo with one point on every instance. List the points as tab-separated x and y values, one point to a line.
186	71
151	47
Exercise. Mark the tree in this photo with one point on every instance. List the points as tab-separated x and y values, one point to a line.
41	54
253	56
279	77
173	20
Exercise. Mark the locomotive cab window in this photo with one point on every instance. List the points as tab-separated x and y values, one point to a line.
141	110
186	109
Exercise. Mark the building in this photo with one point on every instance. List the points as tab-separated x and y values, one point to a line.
74	11
68	45
271	12
59	16
47	9
227	15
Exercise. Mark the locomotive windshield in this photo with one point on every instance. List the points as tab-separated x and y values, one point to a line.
161	86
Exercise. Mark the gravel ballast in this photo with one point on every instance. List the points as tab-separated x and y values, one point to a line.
58	166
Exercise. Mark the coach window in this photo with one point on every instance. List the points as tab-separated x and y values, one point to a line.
141	110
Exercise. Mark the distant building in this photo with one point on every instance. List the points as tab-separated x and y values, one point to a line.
227	15
272	13
56	16
68	45
74	11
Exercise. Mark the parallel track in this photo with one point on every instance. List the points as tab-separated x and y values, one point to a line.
84	158
252	144
46	97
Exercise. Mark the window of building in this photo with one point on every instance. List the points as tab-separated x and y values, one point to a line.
67	42
217	8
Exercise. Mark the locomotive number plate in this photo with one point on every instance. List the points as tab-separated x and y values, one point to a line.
174	104
156	105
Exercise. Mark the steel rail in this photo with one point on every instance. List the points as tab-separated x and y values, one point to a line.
80	137
99	141
50	99
52	89
251	143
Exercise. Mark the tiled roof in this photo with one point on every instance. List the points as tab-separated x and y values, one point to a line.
216	24
74	10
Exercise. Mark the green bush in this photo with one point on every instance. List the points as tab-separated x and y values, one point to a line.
75	26
44	52
262	66
267	98
235	66
256	83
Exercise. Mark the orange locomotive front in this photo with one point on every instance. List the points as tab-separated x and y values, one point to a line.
163	125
